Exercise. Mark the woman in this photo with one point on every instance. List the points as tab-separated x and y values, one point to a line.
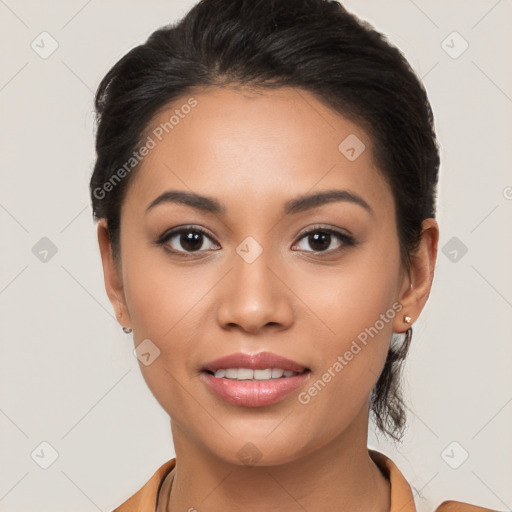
265	193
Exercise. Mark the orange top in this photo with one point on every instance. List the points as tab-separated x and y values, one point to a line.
402	500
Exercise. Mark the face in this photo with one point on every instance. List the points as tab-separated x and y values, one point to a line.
316	282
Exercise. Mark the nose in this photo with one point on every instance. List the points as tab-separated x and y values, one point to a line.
254	295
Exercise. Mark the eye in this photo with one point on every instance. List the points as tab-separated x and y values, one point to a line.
187	239
322	239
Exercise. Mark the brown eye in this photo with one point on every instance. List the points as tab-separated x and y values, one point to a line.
191	241
187	240
319	241
324	240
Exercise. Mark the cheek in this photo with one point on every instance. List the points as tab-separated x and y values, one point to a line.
350	363
160	295
170	305
355	304
352	297
166	308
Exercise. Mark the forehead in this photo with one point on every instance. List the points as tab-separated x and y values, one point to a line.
255	144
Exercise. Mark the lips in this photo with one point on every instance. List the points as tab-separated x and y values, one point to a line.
259	361
254	380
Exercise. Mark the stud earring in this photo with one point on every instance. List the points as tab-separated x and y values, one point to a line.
126	330
407	319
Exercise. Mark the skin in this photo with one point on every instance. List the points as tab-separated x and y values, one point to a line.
253	152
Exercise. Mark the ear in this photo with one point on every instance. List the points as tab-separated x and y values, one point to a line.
417	285
112	276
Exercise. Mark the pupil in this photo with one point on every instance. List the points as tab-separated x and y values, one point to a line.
191	241
321	238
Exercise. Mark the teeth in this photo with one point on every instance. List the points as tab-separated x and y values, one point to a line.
249	374
244	374
232	373
261	374
277	373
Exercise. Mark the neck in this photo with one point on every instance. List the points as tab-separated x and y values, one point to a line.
338	476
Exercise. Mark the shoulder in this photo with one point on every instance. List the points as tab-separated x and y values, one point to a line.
457	506
145	499
402	499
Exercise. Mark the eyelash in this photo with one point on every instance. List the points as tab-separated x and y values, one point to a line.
345	239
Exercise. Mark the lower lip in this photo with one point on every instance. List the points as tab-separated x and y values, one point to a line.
254	393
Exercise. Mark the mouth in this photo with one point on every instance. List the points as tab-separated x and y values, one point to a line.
263	374
254	380
241	364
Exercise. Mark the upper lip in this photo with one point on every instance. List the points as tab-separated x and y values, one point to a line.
257	361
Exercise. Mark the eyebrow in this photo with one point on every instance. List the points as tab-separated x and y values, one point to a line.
293	206
307	202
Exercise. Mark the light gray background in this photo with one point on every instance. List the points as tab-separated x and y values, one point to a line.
68	374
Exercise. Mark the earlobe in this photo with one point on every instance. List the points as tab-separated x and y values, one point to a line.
421	274
112	275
